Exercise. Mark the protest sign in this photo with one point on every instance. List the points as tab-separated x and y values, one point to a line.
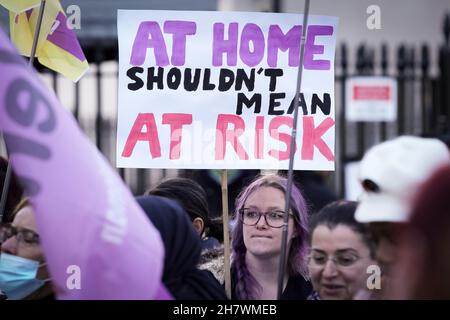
216	90
87	219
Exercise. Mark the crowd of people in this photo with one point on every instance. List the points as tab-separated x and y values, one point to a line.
390	244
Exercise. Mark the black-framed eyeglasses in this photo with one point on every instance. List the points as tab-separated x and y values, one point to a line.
23	235
251	217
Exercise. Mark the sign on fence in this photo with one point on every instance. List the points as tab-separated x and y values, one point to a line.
216	90
371	99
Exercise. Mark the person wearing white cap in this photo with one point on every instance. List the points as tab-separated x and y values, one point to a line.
391	174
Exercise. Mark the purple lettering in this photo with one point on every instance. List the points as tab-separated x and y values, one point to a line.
221	46
179	29
251	33
311	48
142	42
280	41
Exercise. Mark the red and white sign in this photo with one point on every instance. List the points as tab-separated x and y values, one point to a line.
371	99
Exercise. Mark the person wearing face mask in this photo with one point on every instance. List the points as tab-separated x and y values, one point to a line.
23	271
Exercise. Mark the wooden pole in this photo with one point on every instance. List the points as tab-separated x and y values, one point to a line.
226	233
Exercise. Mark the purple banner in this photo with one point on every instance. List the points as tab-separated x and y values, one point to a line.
65	38
86	216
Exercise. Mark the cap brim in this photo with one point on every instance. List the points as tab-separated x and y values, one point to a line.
381	208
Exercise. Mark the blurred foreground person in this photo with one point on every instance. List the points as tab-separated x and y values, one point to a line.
182	247
341	252
256	242
425	250
23	271
391	174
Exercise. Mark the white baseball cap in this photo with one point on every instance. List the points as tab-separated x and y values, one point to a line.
391	174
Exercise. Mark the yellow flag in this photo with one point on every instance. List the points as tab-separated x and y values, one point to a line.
58	48
18	6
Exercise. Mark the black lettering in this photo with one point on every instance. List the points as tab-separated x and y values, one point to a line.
173	78
138	83
273	74
22	100
151	78
241	76
273	103
226	79
324	105
207	85
189	83
301	103
242	99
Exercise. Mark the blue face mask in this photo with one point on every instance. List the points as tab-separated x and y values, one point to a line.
18	276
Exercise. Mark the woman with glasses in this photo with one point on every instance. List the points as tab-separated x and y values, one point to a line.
256	242
23	271
341	252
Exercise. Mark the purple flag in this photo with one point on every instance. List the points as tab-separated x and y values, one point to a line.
87	219
65	38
